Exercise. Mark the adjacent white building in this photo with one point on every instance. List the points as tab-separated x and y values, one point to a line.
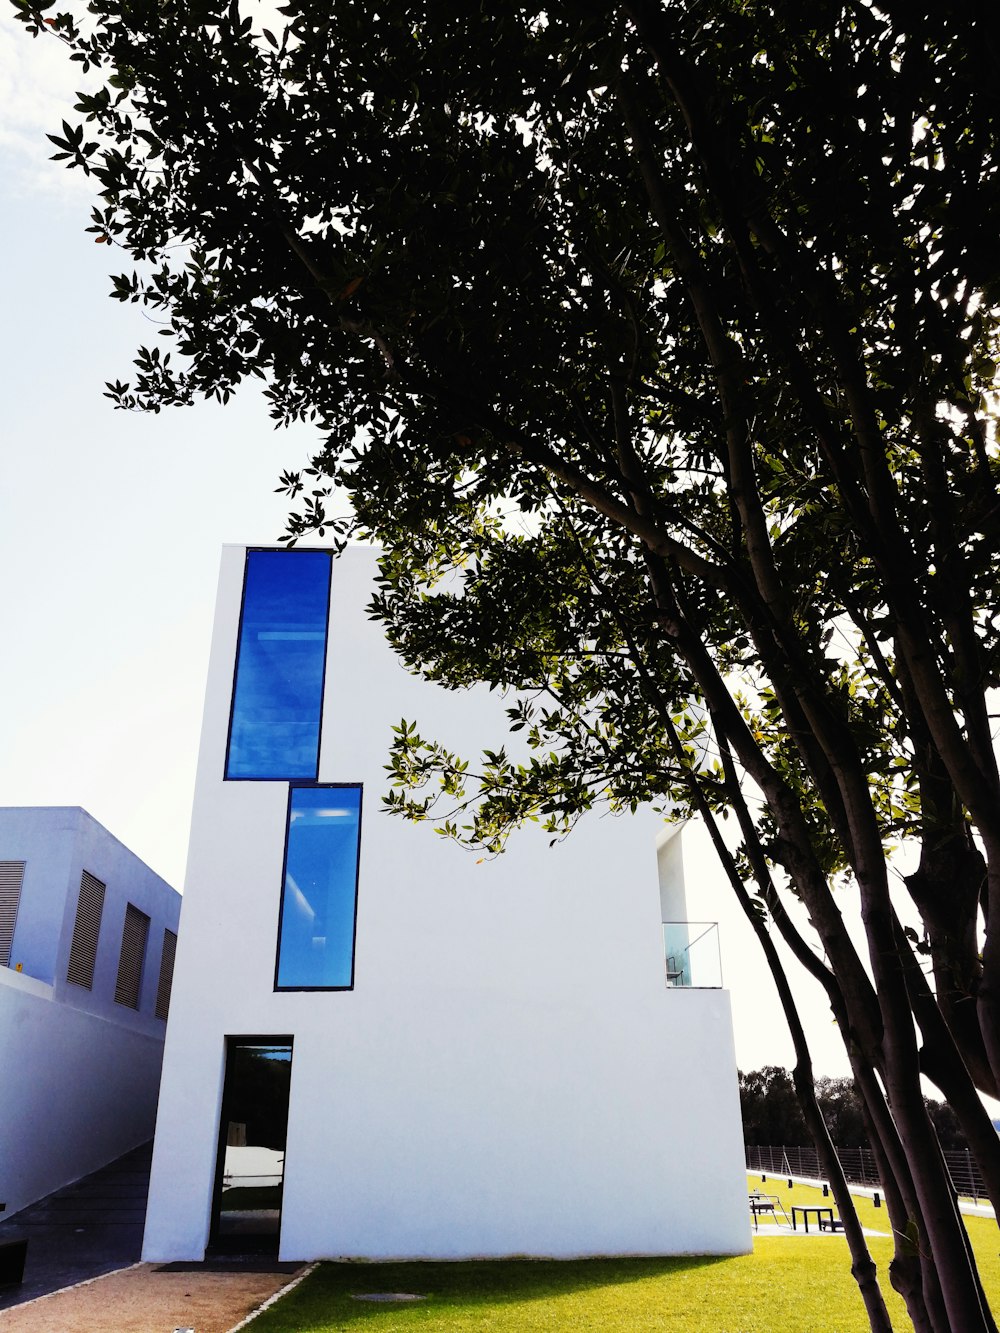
382	1046
87	935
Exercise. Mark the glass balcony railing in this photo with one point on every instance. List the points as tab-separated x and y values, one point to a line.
691	950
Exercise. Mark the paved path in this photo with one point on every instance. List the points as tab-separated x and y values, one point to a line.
90	1227
156	1298
90	1233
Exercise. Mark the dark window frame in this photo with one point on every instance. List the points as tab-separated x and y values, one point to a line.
326	786
283	550
230	1040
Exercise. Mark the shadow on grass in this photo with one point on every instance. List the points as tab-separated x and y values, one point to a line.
326	1299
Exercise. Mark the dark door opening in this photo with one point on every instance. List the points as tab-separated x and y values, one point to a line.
246	1210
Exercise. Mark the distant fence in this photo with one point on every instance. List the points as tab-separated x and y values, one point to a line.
859	1167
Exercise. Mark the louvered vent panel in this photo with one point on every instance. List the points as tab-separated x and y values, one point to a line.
86	928
11	875
135	932
166	974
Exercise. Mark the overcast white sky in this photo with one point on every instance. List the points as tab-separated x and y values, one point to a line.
111	529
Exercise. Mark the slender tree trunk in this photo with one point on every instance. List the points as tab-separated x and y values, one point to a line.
989	990
862	1266
941	1062
907	1272
911	1275
942	1225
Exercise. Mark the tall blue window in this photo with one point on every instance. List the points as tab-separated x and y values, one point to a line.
280	663
320	892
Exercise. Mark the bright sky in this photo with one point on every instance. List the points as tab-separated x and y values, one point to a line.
112	521
112	524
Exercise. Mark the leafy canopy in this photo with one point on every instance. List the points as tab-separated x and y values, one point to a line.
657	346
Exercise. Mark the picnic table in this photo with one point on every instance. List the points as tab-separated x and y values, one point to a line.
823	1214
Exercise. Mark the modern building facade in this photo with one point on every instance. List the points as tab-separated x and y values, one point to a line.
383	1046
87	936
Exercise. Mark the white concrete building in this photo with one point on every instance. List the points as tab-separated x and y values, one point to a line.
381	1046
87	935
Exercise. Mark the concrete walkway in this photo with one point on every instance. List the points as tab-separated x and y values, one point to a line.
82	1273
157	1298
83	1230
965	1206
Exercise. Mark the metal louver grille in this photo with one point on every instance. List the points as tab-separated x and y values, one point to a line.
11	875
86	928
135	932
166	974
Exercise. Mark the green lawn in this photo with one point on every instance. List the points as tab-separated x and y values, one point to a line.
798	1285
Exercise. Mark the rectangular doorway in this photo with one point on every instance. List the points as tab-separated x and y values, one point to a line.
250	1169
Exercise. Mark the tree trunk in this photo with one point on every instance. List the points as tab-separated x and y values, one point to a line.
941	1062
919	1290
862	1266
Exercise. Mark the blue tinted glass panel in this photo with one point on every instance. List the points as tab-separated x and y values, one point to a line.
278	693
316	934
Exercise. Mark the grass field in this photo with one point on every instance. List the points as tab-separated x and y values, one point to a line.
796	1284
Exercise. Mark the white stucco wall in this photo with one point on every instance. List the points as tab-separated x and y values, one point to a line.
76	1090
79	1073
43	839
57	843
510	1073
